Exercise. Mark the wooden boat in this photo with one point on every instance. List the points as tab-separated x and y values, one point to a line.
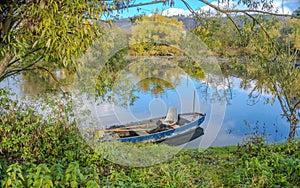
173	129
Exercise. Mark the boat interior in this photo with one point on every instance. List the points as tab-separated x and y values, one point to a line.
151	126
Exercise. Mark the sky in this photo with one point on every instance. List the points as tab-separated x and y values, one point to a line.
287	7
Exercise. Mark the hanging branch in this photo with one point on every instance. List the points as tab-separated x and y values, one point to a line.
227	14
136	5
246	11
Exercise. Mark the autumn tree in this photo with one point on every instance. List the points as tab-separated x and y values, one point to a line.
151	38
45	35
147	38
270	47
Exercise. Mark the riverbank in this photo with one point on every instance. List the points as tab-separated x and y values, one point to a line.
250	165
50	152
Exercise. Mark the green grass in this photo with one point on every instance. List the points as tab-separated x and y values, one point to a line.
37	152
232	166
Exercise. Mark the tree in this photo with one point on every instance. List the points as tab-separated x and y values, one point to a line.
147	38
45	35
274	46
151	58
296	12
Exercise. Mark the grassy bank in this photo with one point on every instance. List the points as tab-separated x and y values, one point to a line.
249	165
49	152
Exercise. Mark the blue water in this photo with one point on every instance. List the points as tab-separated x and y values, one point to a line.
229	120
243	116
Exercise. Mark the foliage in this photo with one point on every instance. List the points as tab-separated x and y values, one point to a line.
72	163
48	151
261	165
262	50
153	52
273	70
156	38
48	34
29	136
217	33
45	35
293	32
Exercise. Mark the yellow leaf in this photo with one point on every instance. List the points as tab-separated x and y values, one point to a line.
48	43
82	46
8	182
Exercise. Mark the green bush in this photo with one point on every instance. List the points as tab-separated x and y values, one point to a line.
29	136
268	165
48	151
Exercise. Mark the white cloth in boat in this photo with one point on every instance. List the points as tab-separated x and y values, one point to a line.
172	116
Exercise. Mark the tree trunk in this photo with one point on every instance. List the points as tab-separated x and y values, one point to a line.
293	126
4	62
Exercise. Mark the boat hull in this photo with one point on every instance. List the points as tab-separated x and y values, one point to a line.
174	136
184	137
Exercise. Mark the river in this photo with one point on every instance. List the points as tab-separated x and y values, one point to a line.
231	116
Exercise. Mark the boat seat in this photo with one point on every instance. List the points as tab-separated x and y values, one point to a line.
142	133
174	126
172	116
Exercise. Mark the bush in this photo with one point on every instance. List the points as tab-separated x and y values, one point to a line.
29	136
38	150
268	165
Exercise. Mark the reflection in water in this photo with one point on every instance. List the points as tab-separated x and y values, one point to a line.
241	119
155	74
154	85
32	84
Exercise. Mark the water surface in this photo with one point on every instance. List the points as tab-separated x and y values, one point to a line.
242	118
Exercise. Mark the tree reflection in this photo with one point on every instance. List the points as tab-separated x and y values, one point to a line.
144	74
154	85
38	83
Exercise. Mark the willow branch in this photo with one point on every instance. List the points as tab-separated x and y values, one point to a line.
281	102
26	55
49	72
16	71
295	106
135	5
246	11
260	25
227	14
